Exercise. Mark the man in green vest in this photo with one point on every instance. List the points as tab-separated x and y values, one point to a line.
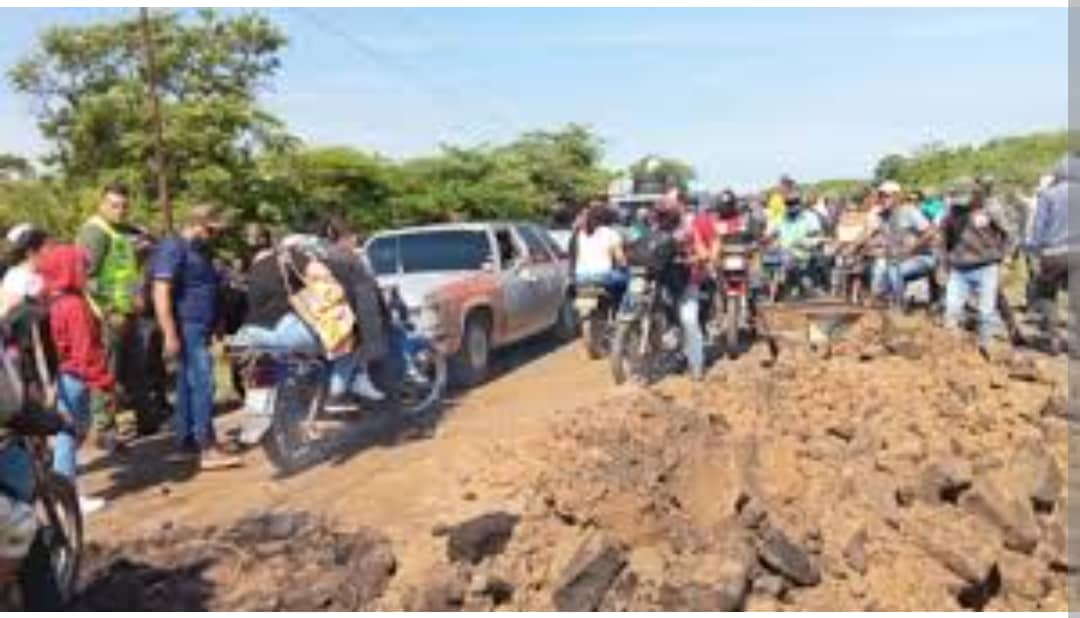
114	282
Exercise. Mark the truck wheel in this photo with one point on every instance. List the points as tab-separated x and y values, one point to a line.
469	366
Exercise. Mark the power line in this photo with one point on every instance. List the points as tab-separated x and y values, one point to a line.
378	57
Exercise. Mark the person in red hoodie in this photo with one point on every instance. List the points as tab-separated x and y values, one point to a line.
83	361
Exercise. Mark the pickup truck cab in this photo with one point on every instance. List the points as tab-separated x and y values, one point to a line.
476	287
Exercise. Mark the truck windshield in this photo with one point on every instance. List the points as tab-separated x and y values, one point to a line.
420	252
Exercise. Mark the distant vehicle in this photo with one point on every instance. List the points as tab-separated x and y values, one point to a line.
475	287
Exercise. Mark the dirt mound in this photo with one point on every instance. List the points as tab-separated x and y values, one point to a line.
903	472
276	561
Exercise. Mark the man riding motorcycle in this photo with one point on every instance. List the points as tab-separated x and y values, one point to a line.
799	237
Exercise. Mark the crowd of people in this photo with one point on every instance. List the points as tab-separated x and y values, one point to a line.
958	241
129	318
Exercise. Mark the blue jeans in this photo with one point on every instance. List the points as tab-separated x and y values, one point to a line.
693	338
72	398
195	387
291	333
983	281
614	281
16	471
890	282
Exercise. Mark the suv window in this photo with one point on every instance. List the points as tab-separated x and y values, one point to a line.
537	249
444	250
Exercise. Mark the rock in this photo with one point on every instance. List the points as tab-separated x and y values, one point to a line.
1012	515
1022	577
843	429
855	551
879	490
696	597
493	587
777	552
944	479
751	511
589	574
443	590
1033	472
770	585
959	542
975	596
486	535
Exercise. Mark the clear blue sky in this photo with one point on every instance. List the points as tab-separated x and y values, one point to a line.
743	94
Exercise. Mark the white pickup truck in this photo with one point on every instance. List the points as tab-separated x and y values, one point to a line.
476	287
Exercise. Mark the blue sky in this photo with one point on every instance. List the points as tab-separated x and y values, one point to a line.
743	94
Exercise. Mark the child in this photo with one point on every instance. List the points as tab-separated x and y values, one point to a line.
83	361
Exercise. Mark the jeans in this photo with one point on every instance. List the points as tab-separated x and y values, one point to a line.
291	333
693	338
983	281
16	471
195	387
614	281
889	281
73	398
1051	279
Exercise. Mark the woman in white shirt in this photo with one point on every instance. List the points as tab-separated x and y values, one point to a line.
599	254
21	279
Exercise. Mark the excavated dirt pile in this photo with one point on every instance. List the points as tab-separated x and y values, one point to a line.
899	472
906	473
275	561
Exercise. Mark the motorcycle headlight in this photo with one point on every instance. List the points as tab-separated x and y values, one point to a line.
426	317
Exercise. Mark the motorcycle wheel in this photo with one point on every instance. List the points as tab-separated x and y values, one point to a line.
734	316
287	445
61	533
418	397
628	362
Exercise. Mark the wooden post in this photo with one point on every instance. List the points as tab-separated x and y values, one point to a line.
155	118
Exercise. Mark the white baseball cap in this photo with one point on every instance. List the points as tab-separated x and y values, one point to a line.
18	231
890	187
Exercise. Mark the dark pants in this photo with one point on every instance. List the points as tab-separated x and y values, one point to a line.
195	387
1052	277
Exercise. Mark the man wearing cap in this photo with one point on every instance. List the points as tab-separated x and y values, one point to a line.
185	292
976	240
904	237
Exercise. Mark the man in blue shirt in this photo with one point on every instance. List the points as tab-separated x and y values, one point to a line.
186	303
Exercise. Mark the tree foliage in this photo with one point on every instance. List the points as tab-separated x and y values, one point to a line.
1015	162
653	174
88	86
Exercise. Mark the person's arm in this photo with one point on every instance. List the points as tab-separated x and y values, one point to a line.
1037	237
86	349
618	256
165	268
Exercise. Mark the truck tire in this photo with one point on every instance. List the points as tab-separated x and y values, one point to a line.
469	366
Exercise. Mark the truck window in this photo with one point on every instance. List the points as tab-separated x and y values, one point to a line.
434	251
538	251
509	253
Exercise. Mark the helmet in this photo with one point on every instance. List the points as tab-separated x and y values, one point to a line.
726	201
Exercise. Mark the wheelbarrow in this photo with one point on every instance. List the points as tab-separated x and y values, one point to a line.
827	320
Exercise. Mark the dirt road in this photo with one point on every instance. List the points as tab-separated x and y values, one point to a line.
401	486
903	472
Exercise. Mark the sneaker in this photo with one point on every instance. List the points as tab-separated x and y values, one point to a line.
89	505
215	459
363	387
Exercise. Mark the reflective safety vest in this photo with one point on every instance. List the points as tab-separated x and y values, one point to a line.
117	277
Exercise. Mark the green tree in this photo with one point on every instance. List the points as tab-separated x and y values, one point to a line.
88	86
653	174
563	165
14	167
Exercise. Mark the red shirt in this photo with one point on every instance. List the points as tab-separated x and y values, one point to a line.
702	230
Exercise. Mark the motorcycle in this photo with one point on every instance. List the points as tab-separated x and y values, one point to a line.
287	392
733	293
596	313
647	341
48	575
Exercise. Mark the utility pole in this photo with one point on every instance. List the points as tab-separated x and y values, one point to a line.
155	118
